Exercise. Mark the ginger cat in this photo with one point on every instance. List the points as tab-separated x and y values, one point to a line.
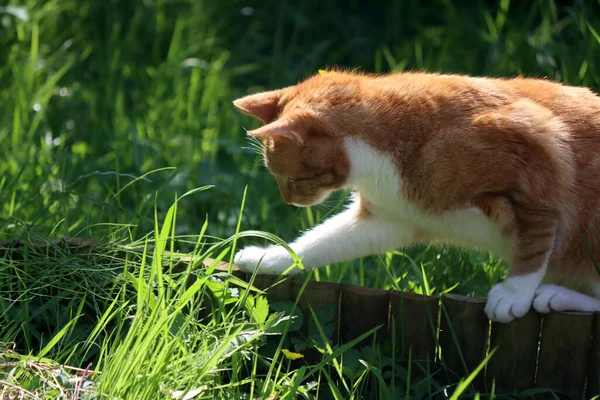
510	166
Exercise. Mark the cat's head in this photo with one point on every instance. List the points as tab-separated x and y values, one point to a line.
302	138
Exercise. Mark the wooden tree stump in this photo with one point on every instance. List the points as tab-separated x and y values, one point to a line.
362	309
415	320
513	365
464	330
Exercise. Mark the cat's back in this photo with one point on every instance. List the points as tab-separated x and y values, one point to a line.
577	106
560	98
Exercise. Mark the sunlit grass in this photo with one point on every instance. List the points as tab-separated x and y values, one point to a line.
111	112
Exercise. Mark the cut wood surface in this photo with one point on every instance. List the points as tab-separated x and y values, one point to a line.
316	295
415	321
564	355
363	309
593	383
559	351
513	365
464	329
277	289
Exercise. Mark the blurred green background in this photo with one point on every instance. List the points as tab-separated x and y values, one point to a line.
110	108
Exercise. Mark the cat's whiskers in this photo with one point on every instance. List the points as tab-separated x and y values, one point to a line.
255	145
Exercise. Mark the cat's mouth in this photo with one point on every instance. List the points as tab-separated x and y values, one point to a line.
311	202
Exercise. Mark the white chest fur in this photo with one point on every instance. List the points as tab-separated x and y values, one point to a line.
377	179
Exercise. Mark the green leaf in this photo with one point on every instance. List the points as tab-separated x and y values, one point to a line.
337	395
261	309
350	364
594	33
257	308
56	339
300	344
324	314
285	307
275	324
464	383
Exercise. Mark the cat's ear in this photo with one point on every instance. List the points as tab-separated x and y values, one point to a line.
294	130
264	106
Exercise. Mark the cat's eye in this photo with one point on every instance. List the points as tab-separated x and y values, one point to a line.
290	180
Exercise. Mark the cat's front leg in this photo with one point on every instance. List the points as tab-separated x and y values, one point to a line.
513	297
271	260
348	235
534	242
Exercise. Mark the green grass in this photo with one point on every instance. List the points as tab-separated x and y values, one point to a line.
112	110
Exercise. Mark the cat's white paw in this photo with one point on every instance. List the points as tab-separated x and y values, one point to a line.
272	260
557	298
507	301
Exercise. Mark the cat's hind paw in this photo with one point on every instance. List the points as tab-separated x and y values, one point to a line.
505	302
558	298
272	260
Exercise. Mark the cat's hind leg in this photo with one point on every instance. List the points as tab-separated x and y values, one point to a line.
558	298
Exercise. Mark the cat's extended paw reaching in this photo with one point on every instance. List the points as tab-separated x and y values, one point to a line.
272	260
